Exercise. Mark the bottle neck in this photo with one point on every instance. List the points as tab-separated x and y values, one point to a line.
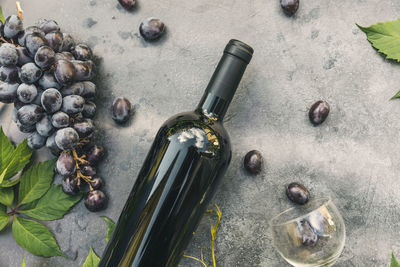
222	86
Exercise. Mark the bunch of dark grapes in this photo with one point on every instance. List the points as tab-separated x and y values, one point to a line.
46	74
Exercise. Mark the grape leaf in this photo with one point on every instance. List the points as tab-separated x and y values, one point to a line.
35	238
385	37
1	15
396	96
21	156
92	260
7	196
4	217
6	151
23	262
35	181
393	262
111	227
53	205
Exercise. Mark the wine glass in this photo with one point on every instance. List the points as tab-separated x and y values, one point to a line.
311	235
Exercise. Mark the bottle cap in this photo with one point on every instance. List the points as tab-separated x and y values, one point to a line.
240	50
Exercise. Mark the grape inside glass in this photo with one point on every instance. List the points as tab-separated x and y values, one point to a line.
311	235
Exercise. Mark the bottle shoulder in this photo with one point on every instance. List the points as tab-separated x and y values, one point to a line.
193	129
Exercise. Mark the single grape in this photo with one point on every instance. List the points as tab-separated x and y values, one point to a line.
66	138
25	128
97	183
318	113
26	92
55	40
33	42
70	186
84	128
44	127
88	170
49	81
65	164
95	200
68	42
36	141
72	104
12	26
8	92
23	56
30	114
64	72
74	89
45	57
14	115
89	90
121	110
307	233
127	4
290	6
30	73
9	74
8	54
65	55
83	70
51	100
95	154
151	29
89	109
26	32
82	52
297	193
49	26
253	162
60	120
52	146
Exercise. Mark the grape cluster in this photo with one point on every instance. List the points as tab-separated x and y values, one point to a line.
46	75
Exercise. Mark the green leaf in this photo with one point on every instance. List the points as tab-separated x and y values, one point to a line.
111	227
53	205
396	96
20	158
393	262
4	217
35	181
7	196
385	37
9	183
1	15
35	238
23	262
92	260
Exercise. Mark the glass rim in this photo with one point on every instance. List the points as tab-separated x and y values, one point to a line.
323	200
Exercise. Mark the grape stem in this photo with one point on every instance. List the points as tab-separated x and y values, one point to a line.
19	9
79	175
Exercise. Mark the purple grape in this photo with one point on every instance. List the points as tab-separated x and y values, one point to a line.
121	110
66	138
52	146
30	114
51	100
60	120
8	55
127	4
64	72
68	42
55	40
70	186
9	74
49	26
33	42
95	200
65	164
45	57
36	141
84	128
72	104
26	93
23	56
95	154
12	26
151	29
30	73
44	126
89	109
82	52
8	92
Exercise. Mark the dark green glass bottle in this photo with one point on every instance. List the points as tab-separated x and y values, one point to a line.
187	160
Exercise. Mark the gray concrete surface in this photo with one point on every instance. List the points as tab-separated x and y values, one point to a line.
318	54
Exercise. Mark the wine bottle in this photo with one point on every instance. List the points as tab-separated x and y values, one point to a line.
187	160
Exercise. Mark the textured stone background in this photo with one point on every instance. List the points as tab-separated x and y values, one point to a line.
319	54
